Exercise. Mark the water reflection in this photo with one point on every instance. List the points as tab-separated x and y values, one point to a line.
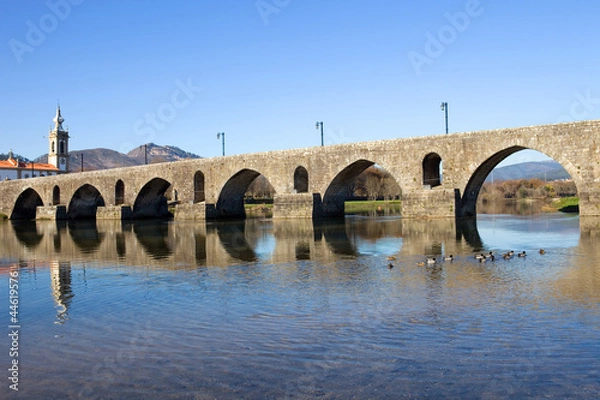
224	243
154	237
26	232
85	235
318	296
62	292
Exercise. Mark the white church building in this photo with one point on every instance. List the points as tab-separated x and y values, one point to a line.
58	156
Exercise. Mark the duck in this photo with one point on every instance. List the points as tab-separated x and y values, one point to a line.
421	264
391	258
431	260
449	258
522	254
542	251
479	256
390	265
482	259
506	256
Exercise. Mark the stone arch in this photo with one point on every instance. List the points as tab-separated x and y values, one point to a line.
85	202
26	204
199	195
468	200
119	192
151	201
432	175
337	192
231	198
55	195
301	180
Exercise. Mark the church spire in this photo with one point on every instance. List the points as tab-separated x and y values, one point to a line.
58	120
58	143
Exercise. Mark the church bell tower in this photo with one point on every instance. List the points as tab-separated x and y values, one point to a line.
58	152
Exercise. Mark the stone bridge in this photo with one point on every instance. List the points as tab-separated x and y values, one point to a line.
440	176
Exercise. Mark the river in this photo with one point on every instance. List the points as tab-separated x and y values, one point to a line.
293	310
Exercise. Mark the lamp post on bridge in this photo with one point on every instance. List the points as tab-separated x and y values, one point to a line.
320	123
219	136
444	107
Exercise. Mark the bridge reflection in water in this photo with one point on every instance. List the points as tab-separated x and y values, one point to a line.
181	244
298	288
186	244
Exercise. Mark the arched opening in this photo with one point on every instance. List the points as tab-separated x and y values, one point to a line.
55	195
26	204
62	147
199	187
360	181
301	180
119	193
85	202
432	174
151	201
238	190
523	183
53	147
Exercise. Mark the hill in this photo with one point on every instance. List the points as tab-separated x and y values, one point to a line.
545	170
97	159
157	153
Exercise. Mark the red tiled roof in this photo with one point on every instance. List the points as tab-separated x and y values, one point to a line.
13	164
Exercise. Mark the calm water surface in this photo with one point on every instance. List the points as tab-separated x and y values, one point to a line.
291	309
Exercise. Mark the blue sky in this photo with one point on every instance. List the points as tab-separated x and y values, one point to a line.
263	72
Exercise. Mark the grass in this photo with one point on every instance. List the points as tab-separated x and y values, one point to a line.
259	210
3	217
351	207
568	204
564	204
253	206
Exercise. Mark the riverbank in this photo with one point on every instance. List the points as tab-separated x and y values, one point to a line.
563	204
373	206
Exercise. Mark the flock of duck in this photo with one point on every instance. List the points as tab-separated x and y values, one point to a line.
479	257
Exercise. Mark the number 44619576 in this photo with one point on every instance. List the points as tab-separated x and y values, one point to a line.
13	287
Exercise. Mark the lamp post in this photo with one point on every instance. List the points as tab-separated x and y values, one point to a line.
145	154
81	162
444	107
321	125
219	136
